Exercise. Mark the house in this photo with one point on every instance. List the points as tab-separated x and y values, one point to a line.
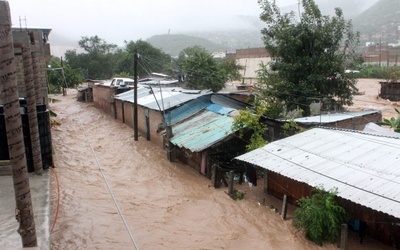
390	91
355	120
159	79
205	137
364	168
153	105
190	124
251	59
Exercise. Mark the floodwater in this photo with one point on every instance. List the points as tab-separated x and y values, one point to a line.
162	205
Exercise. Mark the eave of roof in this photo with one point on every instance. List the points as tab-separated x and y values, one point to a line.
202	130
364	168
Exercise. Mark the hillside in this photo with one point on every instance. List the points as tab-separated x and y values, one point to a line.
173	44
380	21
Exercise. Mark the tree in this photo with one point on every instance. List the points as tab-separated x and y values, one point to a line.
311	54
151	59
202	70
99	57
96	44
250	120
231	69
55	76
320	216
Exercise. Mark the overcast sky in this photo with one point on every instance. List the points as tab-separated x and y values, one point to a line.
119	20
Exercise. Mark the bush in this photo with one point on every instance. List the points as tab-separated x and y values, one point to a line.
320	216
237	195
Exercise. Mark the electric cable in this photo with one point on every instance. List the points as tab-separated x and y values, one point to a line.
58	200
110	191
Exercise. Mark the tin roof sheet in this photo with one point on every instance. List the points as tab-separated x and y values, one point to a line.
364	168
160	99
334	117
202	131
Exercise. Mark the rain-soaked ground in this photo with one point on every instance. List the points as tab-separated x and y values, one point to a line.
111	192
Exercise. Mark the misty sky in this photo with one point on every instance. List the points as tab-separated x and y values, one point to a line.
119	20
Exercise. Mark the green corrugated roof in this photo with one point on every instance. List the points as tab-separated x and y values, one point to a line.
202	131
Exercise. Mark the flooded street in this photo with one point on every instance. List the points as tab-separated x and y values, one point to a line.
165	205
106	187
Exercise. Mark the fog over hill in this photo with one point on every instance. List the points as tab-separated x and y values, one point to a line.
240	31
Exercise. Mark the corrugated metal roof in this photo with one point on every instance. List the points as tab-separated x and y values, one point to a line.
164	98
334	117
364	168
201	131
185	111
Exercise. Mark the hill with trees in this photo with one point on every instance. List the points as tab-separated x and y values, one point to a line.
173	44
380	22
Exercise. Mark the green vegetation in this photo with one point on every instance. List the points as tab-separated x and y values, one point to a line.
311	56
291	128
250	120
201	69
380	21
102	60
393	122
320	216
390	74
55	76
151	59
237	195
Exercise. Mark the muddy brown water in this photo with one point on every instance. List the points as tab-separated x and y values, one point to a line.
165	205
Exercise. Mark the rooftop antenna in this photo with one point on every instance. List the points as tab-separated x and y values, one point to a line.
299	9
20	22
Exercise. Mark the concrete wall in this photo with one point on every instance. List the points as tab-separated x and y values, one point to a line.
251	66
124	110
251	60
103	98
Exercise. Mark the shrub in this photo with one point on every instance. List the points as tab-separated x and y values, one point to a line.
320	216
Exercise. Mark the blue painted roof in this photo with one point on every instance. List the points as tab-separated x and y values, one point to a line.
202	131
219	109
187	110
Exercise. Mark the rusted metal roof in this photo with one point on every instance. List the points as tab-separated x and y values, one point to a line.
363	167
202	130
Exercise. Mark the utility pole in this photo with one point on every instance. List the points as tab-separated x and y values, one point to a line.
13	124
380	51
135	105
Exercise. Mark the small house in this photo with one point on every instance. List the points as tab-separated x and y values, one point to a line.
362	167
